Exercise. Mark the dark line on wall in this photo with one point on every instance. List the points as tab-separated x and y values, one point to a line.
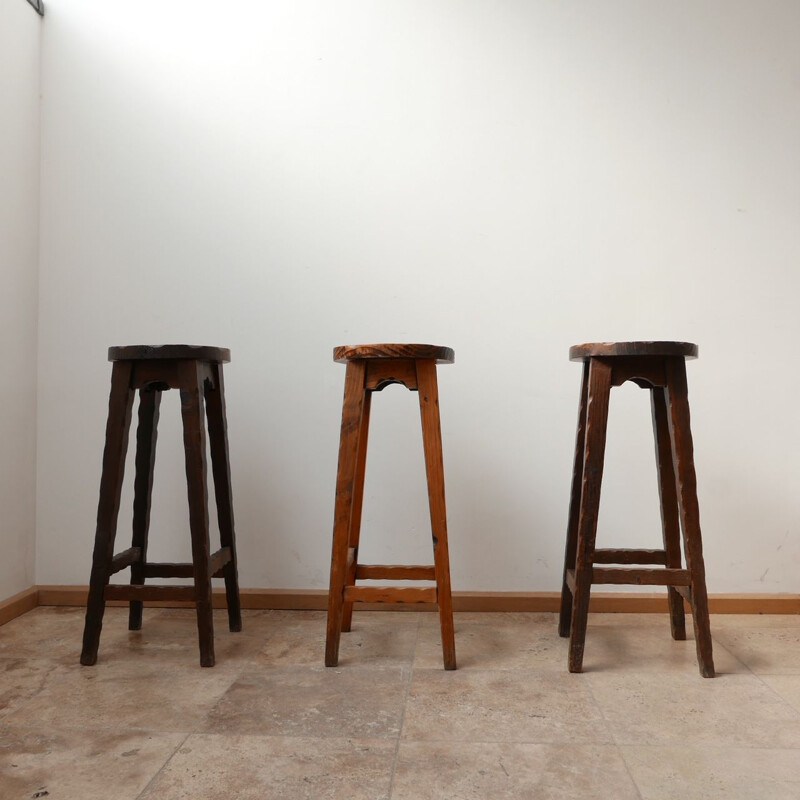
38	5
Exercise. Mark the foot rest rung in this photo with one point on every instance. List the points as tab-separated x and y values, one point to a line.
218	562
389	594
383	572
127	592
642	577
608	555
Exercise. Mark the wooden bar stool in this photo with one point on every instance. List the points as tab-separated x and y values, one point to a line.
661	368
369	369
197	373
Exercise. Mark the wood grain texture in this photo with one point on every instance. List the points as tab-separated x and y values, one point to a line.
441	355
597	398
668	501
434	468
579	352
146	438
354	535
194	448
137	352
683	458
571	549
120	404
352	407
217	418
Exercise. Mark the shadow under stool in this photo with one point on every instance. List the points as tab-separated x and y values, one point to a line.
196	372
659	367
369	369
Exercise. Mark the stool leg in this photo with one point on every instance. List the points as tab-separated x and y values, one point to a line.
120	403
565	616
220	466
434	466
146	435
358	502
194	444
667	492
598	393
345	489
683	452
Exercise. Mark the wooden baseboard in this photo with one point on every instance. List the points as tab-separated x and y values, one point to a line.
19	604
316	599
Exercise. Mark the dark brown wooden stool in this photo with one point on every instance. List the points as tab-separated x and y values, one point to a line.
370	368
197	373
661	368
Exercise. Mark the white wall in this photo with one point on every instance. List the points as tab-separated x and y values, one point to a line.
505	178
19	231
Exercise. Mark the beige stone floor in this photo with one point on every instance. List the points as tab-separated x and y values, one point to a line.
269	721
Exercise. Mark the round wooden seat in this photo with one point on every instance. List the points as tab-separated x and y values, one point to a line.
580	352
136	352
346	352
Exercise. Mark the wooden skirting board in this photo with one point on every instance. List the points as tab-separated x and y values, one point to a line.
316	599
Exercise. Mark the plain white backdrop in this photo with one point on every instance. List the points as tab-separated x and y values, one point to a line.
505	178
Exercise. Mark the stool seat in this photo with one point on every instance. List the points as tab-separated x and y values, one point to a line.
137	352
370	368
345	353
580	352
660	368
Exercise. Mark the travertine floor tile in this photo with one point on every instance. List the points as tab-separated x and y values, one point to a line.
23	678
80	765
376	638
127	695
276	768
502	706
530	644
764	650
313	701
169	637
721	773
637	648
786	686
509	771
743	621
55	634
683	708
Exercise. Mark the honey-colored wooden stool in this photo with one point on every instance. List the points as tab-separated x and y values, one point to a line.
661	368
197	373
369	369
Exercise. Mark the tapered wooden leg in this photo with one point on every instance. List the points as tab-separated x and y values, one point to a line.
434	466
117	427
345	488
565	617
598	393
146	435
194	443
220	466
667	491
683	453
355	512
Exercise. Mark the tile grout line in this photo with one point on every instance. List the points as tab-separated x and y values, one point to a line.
163	766
614	741
403	713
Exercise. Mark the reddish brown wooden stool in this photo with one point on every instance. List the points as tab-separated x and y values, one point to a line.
370	368
197	373
661	368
